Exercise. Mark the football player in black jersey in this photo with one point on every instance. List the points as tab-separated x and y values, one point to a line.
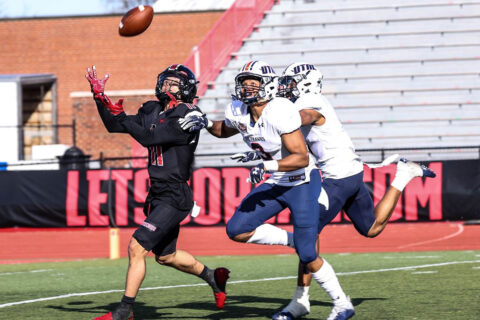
169	201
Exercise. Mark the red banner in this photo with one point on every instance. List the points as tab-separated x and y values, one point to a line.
101	198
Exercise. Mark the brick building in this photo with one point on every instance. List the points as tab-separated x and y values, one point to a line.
64	47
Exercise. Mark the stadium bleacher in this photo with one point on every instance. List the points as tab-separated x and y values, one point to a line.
402	74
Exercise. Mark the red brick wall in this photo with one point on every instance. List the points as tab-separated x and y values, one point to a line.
93	138
67	46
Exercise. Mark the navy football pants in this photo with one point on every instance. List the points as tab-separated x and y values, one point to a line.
267	200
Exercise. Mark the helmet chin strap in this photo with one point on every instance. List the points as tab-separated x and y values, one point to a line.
168	100
173	101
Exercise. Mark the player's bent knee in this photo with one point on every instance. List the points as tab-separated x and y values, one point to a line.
233	230
374	231
165	260
372	234
135	249
307	256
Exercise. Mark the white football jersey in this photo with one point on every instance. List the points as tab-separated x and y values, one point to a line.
330	143
278	117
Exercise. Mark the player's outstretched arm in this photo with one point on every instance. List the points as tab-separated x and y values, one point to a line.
196	121
106	109
168	132
220	130
311	117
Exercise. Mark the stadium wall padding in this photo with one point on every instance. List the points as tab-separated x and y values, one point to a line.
99	198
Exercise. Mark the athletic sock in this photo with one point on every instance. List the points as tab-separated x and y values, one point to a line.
406	171
209	276
327	279
300	303
128	300
271	235
124	309
301	292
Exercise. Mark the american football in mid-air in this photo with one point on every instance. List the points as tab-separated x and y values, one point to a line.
136	21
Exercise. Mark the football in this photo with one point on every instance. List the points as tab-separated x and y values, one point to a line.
135	21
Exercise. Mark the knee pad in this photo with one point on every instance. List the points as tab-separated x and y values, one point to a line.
307	255
305	243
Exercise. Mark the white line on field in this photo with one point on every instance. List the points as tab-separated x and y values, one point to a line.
424	272
19	272
232	282
410	257
459	231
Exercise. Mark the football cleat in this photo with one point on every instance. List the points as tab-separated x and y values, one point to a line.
109	316
221	277
342	310
415	169
283	316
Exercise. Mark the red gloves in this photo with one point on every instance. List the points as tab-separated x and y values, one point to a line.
98	89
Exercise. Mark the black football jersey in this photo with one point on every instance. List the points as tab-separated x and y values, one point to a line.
170	149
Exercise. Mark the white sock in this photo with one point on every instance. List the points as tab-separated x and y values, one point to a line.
327	279
300	303
301	292
269	234
405	173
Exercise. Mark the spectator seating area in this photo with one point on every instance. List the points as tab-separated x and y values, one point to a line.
401	74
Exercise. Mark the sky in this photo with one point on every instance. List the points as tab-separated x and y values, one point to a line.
46	8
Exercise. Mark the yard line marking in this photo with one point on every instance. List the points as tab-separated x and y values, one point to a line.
231	282
424	272
410	257
459	231
19	272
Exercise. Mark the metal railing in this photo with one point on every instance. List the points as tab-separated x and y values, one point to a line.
377	155
226	36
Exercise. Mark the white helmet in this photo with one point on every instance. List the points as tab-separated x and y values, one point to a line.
307	80
262	72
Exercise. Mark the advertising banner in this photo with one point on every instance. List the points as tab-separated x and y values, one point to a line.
99	198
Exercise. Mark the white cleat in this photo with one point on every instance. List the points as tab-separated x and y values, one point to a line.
296	308
342	310
414	169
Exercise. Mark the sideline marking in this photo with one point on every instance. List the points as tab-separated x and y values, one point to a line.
459	231
232	282
19	272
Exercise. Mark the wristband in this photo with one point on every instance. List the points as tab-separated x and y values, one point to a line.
209	124
271	165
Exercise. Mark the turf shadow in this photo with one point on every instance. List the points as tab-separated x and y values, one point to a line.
147	312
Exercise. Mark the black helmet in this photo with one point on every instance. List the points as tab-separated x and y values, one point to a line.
188	83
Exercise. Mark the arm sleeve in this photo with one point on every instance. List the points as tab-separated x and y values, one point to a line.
110	121
167	132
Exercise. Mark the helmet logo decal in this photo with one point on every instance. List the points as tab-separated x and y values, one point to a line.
249	66
303	67
267	69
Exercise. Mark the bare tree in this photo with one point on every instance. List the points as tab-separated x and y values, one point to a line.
118	6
